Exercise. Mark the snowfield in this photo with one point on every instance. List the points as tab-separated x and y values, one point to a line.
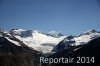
86	38
41	42
44	42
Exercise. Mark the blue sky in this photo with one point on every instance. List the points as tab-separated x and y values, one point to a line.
70	17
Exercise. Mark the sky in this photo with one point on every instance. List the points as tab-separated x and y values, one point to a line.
70	17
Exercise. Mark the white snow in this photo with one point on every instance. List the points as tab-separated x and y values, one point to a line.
55	33
0	35
19	30
86	38
45	43
15	42
37	40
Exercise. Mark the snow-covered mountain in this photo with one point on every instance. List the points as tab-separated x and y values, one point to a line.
47	42
90	50
83	38
39	41
15	53
22	33
55	34
87	36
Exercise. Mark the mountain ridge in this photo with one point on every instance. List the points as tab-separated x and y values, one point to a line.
46	43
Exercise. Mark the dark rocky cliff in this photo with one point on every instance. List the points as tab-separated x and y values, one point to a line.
91	49
13	55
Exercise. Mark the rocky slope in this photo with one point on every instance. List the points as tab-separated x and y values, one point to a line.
89	50
16	54
20	47
83	38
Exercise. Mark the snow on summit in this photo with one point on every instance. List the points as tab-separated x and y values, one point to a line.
55	34
46	42
87	36
37	40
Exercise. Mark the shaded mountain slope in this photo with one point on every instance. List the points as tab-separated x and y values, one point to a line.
91	49
13	55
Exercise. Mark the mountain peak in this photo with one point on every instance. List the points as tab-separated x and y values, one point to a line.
91	31
17	30
55	34
21	32
45	42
